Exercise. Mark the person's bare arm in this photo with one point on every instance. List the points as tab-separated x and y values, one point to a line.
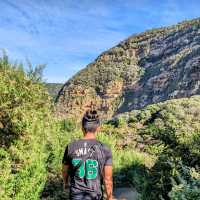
65	175
108	182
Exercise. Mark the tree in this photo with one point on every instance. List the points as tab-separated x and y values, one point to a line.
35	74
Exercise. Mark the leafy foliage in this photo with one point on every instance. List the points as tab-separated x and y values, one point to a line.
25	130
35	74
170	131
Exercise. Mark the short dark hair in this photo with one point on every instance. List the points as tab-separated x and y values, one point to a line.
90	121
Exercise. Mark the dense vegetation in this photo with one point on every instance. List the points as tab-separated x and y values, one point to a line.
155	149
169	132
28	134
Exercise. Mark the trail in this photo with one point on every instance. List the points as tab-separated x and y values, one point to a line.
53	190
125	193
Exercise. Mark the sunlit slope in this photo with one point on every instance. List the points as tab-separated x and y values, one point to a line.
146	68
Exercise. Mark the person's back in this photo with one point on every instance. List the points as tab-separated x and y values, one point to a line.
88	164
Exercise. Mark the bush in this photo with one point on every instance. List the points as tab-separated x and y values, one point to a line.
171	132
68	125
25	130
185	186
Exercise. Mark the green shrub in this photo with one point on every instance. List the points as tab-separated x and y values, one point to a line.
25	131
68	125
171	132
185	186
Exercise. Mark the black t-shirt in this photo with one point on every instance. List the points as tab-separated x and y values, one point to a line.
86	159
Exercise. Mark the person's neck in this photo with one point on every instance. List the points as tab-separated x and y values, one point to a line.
89	136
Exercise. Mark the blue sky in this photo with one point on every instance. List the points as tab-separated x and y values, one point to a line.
67	35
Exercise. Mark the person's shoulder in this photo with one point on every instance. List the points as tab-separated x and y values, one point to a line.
104	146
72	144
107	153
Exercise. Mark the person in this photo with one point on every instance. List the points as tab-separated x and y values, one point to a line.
87	163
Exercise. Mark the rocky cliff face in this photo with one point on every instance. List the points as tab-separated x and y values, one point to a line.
147	68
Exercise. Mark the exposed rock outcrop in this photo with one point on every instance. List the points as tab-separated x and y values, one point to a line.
147	68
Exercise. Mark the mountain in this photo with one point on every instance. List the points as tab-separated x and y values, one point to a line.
146	68
53	89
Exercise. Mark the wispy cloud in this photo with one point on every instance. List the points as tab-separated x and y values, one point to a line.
67	35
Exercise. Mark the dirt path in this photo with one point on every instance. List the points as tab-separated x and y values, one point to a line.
125	193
